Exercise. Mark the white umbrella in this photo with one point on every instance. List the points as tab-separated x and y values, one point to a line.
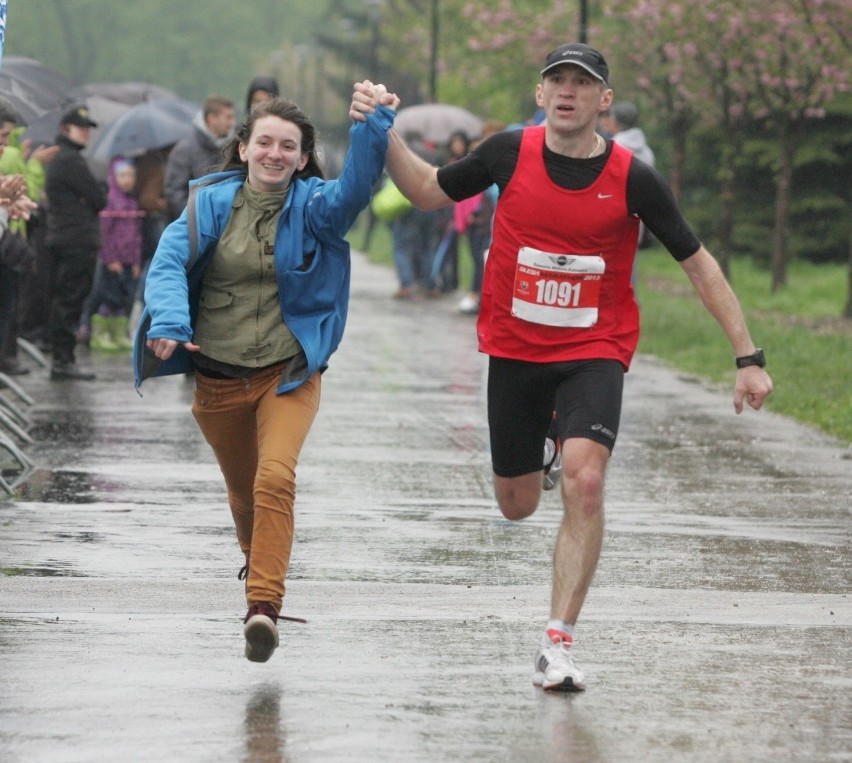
436	122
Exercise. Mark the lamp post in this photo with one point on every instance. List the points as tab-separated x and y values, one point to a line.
302	51
433	53
374	16
319	83
584	21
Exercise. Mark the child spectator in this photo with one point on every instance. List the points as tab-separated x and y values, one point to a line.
120	260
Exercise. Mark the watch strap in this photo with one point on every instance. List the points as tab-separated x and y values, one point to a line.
757	358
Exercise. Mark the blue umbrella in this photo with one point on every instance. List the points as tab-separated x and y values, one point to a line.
144	127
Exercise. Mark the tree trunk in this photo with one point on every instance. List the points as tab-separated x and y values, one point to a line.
847	313
678	160
782	210
725	223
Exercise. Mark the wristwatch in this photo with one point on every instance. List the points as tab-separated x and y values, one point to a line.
757	359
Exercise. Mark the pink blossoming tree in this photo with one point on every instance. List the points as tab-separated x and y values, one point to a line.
732	64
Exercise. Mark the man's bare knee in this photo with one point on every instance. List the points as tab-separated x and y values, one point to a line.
517	497
583	487
515	511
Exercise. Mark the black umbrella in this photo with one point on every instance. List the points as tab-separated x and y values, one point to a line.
33	88
106	102
146	126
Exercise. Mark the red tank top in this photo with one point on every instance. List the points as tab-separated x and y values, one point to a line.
557	278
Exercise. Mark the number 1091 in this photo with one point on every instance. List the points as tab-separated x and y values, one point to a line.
561	293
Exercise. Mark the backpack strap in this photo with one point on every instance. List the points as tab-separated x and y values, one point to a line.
192	227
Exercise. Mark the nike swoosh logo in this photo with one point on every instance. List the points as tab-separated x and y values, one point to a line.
604	195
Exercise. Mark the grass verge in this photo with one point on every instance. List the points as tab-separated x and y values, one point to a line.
808	345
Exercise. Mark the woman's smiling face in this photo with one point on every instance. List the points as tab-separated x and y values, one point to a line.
273	153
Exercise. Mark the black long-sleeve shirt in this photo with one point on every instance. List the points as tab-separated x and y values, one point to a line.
649	196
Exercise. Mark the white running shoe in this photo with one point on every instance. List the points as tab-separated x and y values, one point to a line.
260	631
469	304
552	464
554	665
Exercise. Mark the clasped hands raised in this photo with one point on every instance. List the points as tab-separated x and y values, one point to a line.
367	96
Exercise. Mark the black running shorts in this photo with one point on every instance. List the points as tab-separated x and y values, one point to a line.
522	397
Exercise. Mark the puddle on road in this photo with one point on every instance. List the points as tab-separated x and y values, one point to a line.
50	568
49	486
81	537
67	429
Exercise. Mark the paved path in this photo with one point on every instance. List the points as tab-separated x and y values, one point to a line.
718	627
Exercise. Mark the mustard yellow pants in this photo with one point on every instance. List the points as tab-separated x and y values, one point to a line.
257	437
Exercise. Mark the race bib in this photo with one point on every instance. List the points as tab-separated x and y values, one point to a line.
557	289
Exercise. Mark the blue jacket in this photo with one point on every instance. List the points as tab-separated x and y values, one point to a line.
311	258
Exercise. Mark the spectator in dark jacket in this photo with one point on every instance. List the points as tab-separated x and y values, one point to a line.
261	88
199	153
73	238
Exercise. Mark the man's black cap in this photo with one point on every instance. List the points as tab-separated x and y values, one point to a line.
580	55
79	115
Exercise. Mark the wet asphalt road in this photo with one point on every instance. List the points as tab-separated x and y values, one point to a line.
717	629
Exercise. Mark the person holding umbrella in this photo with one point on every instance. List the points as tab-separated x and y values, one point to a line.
558	318
249	288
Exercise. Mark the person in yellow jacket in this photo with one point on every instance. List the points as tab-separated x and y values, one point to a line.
19	158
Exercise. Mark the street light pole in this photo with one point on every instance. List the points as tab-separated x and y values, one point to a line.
374	16
584	21
433	55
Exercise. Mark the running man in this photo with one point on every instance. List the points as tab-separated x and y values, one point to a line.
558	318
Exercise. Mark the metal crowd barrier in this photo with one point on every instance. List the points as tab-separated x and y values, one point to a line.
15	423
